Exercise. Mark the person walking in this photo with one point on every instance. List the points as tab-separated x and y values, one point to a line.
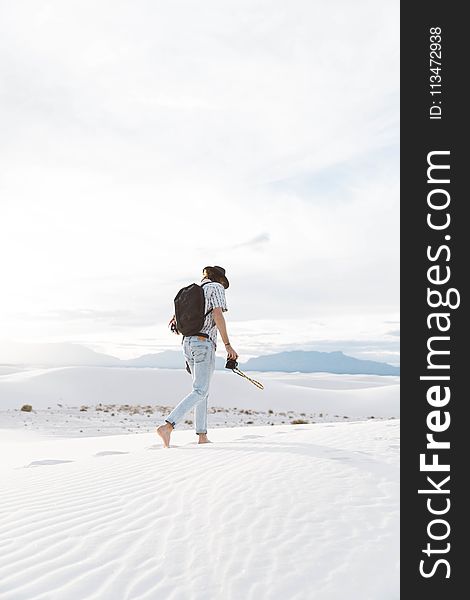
199	352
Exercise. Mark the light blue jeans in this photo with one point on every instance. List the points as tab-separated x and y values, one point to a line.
199	353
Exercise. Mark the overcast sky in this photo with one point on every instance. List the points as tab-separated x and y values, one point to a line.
143	140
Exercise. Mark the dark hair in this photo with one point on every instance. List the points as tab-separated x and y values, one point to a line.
213	275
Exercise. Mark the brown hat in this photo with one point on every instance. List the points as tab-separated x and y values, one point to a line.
220	271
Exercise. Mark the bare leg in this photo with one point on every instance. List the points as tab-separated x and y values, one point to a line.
203	439
164	431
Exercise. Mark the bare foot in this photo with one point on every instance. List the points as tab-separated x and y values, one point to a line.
203	439
164	431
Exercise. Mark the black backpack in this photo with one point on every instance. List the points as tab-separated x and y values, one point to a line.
189	309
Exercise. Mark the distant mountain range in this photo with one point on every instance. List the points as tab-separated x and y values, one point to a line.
54	355
57	355
314	362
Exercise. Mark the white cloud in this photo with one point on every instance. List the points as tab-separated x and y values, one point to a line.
144	140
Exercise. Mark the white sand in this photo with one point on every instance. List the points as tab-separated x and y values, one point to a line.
88	401
284	512
352	395
102	512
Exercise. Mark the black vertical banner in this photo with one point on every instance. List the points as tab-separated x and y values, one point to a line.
435	236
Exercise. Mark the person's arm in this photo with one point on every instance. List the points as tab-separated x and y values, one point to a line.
222	327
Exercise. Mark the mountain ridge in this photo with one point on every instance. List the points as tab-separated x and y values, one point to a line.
303	361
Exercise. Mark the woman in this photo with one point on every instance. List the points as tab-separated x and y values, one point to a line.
199	352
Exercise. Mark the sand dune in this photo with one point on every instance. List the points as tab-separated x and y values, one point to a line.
278	512
352	395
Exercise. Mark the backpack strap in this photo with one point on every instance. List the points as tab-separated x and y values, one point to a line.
205	283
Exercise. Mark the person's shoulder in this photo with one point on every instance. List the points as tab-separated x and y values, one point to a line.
215	285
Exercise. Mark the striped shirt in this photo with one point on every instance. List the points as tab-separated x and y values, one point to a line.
214	294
